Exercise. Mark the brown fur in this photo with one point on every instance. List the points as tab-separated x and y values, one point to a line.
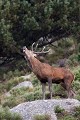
46	73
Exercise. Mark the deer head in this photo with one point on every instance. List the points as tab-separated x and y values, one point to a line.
28	53
32	53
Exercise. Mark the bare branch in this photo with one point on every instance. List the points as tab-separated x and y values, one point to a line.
55	39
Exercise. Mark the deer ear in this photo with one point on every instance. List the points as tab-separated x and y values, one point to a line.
24	47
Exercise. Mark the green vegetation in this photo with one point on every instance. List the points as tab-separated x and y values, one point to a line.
12	101
35	81
23	22
77	76
8	73
42	117
58	109
20	91
76	83
64	115
5	114
7	85
35	95
20	95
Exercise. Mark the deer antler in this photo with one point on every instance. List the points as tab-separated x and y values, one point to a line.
43	48
42	51
32	46
36	46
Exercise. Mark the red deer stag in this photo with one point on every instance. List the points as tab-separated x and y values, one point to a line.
46	73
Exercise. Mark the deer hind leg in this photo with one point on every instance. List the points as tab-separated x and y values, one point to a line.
50	87
70	92
43	90
65	86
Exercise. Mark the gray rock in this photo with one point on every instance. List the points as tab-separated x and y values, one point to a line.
24	84
29	109
26	77
8	94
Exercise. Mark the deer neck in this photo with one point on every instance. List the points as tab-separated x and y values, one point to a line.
35	64
28	63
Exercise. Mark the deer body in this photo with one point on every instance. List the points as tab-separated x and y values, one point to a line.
46	73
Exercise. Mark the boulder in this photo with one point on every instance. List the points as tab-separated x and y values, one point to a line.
29	109
24	84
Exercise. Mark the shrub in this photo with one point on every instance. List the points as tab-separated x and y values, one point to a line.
12	101
58	109
5	114
35	95
74	59
59	90
42	117
10	75
64	115
76	85
67	117
77	112
29	96
17	73
79	57
77	75
4	76
77	97
20	91
12	82
35	81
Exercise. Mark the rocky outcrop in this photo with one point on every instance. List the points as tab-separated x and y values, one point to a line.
24	84
29	109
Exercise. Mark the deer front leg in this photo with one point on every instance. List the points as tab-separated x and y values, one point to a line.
50	87
43	90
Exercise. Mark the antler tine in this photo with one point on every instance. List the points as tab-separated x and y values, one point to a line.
36	46
42	52
32	46
43	48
